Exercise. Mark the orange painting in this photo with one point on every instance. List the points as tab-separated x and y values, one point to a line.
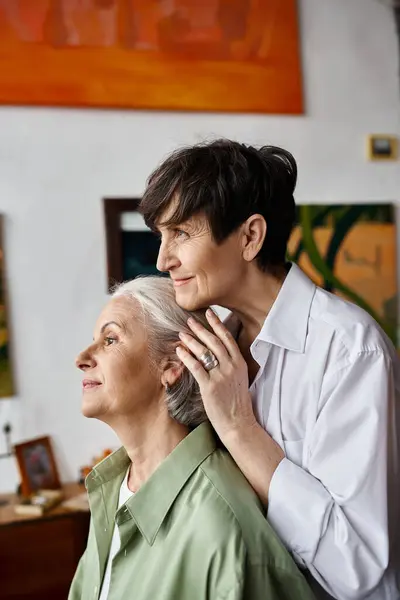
205	55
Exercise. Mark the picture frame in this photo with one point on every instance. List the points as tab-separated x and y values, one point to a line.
37	466
7	383
382	147
131	247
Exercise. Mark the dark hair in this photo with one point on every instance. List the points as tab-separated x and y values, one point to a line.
228	182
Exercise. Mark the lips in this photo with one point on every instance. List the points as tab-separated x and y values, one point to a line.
89	384
178	282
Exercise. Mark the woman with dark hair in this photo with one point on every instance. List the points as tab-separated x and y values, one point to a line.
317	434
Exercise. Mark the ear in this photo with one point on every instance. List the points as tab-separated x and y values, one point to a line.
171	371
254	231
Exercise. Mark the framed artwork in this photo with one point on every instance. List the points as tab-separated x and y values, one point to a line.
6	374
350	250
382	147
213	55
132	248
37	466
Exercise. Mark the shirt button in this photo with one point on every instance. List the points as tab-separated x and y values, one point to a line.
105	530
95	590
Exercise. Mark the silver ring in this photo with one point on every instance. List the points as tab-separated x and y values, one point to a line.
211	365
209	360
207	356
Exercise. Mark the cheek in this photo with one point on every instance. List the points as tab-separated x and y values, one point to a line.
126	368
213	268
219	271
204	260
115	366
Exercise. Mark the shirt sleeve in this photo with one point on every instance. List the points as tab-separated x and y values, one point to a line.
335	516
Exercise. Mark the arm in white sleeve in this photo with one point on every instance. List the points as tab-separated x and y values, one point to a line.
335	514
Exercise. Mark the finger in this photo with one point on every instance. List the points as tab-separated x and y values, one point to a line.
193	365
194	345
210	340
223	334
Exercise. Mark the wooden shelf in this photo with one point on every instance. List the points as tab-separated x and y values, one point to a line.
39	554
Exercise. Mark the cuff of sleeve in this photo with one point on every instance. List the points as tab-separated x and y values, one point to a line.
298	509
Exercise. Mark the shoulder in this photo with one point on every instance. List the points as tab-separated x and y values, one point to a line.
229	487
239	503
207	496
352	330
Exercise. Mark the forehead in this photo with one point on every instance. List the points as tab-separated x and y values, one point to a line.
167	213
124	311
198	220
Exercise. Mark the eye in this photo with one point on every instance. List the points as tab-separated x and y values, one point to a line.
109	340
181	234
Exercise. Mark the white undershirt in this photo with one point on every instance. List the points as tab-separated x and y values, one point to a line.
124	494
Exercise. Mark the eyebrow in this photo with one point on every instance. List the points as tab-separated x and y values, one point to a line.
107	324
169	226
160	224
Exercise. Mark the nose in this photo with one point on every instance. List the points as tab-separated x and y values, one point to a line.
85	360
167	259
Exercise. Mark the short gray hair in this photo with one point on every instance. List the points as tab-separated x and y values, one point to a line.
164	319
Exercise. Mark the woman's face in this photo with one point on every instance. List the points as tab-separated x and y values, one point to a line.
203	272
118	379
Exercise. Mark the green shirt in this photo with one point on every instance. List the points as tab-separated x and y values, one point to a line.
194	531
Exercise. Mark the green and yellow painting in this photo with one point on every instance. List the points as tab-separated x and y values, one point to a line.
351	251
6	378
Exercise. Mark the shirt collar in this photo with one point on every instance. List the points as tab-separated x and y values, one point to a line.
106	470
150	505
286	324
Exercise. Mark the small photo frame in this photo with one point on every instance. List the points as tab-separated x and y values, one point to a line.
37	466
382	147
132	248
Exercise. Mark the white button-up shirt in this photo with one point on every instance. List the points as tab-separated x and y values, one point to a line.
328	392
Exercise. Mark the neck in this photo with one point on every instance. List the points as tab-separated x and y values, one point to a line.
253	300
148	440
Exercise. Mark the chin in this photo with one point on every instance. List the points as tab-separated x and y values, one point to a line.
191	301
90	409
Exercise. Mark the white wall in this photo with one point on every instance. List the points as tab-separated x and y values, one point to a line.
56	165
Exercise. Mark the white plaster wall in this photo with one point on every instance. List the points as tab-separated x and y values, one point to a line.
56	165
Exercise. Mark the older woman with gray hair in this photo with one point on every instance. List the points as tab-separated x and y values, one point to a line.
172	517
